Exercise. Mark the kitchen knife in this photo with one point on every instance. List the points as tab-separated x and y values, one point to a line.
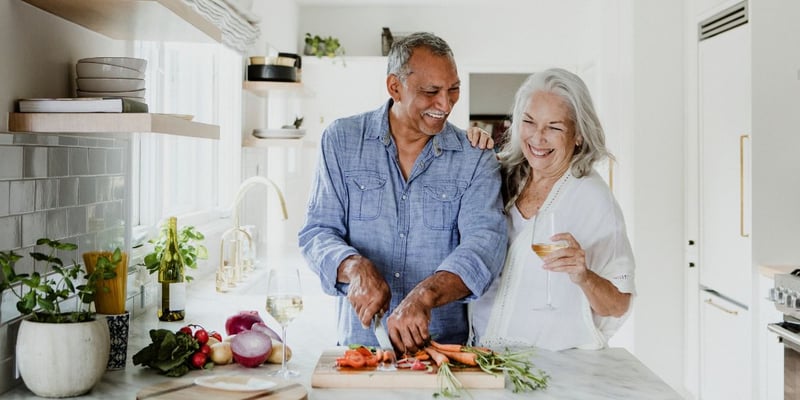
385	344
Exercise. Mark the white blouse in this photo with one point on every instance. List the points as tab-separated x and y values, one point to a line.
512	312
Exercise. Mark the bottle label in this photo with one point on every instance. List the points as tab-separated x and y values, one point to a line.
177	296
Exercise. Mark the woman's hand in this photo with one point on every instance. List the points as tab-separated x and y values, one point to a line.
571	260
479	138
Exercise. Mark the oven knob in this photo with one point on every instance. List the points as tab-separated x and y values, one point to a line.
790	300
779	294
772	294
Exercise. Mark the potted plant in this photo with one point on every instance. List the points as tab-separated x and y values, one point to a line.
319	46
190	244
61	352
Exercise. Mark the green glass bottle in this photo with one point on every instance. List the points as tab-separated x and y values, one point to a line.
172	287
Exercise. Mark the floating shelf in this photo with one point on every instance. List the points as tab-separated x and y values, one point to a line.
252	141
263	88
163	20
109	123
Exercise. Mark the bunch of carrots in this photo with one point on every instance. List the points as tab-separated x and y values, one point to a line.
516	365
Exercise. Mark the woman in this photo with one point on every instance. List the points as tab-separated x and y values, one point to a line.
555	138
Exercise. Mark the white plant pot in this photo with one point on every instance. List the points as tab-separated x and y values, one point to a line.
62	360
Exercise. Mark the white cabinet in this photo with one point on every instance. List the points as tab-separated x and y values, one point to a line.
770	351
726	356
725	131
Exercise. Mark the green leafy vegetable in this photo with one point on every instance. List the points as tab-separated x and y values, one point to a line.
516	365
169	352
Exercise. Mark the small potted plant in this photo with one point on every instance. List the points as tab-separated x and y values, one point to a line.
319	46
190	244
51	340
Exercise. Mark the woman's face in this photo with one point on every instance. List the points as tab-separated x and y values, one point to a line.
547	134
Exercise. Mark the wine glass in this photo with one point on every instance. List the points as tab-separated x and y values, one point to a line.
284	303
544	227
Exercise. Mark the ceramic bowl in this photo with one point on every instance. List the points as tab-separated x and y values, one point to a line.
97	70
110	84
136	94
138	64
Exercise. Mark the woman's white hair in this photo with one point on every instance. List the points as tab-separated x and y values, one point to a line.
588	129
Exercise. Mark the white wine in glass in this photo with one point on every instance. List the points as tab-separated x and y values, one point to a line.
544	227
284	303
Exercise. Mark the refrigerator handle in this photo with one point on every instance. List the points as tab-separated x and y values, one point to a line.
741	186
711	303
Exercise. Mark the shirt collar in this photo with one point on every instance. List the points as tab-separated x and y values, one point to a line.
448	139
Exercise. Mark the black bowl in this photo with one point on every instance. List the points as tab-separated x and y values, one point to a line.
278	73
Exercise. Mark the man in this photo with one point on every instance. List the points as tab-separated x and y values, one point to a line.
405	217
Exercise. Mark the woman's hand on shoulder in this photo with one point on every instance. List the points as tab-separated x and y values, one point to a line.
479	138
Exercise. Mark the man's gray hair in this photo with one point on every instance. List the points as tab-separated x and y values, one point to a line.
401	51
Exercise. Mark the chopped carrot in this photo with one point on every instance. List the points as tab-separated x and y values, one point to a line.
437	357
422	355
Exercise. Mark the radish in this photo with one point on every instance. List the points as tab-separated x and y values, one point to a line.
251	348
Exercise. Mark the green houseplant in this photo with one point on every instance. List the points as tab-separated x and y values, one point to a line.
319	46
52	341
190	244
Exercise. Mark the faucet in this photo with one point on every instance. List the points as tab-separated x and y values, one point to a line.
230	270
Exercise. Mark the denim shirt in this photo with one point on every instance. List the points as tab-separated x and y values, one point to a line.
447	216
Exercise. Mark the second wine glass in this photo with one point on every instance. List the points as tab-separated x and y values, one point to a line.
544	227
284	303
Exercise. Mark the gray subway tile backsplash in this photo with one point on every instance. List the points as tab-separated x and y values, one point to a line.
22	195
34	226
57	161
67	188
4	187
10	162
34	162
78	161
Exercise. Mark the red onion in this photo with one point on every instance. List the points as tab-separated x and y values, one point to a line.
263	328
241	322
251	348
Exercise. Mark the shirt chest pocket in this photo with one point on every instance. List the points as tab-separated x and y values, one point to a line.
366	195
441	203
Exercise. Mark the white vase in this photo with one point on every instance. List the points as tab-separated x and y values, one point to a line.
62	360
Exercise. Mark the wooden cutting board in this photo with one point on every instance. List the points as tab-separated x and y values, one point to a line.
327	375
186	389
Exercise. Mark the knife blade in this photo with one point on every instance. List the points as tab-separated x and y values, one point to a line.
386	345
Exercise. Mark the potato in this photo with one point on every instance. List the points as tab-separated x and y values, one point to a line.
277	353
221	353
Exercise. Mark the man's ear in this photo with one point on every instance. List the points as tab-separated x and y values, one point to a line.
393	86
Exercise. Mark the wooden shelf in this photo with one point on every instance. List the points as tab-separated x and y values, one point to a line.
263	88
109	123
163	20
252	141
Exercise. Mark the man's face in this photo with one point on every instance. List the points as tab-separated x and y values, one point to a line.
430	91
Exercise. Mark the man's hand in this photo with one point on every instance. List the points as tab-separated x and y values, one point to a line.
369	293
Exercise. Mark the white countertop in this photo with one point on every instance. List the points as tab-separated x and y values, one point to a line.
577	374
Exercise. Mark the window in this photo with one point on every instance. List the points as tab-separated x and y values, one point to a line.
174	175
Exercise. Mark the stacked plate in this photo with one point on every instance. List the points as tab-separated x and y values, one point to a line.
111	77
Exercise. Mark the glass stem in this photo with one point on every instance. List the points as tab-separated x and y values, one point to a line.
283	359
549	300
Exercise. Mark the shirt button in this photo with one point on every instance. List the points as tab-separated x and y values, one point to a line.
444	196
404	197
402	235
362	187
396	274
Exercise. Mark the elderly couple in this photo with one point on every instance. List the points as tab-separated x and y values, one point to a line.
410	219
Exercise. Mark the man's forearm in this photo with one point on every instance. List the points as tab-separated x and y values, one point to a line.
439	289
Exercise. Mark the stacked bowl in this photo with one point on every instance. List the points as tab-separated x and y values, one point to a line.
111	77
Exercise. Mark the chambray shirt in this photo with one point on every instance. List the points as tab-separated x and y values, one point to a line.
447	216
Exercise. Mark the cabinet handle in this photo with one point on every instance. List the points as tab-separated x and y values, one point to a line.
711	303
741	185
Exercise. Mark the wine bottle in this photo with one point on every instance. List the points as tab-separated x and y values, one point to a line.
172	287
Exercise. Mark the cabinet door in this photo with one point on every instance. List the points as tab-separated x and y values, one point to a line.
724	117
725	349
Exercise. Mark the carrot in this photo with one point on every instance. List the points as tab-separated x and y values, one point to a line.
437	357
462	357
422	355
446	347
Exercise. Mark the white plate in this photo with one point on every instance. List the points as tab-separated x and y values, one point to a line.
236	383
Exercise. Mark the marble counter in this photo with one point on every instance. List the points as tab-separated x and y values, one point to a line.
575	374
